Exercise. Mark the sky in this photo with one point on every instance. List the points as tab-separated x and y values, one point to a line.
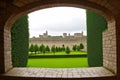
57	20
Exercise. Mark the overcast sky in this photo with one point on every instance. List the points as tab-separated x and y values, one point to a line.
57	20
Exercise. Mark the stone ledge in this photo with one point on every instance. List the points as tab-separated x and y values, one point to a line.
60	72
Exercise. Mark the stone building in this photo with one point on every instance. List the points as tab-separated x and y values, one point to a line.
59	41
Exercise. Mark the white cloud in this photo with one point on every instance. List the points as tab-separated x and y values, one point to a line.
57	20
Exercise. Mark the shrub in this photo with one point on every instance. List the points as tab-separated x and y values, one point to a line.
36	48
67	50
81	46
53	49
74	47
31	48
47	48
20	42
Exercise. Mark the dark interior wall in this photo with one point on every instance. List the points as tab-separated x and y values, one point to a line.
96	24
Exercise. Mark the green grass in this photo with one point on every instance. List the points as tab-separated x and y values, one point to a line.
58	62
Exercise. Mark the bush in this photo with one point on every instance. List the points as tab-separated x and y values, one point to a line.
42	48
74	47
47	48
67	50
36	48
53	49
20	42
31	48
81	46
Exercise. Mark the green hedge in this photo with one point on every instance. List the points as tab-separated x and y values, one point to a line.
20	42
96	24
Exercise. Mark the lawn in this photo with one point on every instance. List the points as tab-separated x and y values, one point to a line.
58	62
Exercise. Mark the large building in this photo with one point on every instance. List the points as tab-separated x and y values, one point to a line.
66	40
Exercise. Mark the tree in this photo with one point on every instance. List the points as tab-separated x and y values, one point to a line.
78	48
53	49
81	46
57	49
67	50
74	47
42	48
20	42
31	48
36	48
47	48
63	47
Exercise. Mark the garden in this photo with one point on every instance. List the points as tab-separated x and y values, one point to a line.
43	56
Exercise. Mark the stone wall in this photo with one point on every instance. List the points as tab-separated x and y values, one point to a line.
59	41
7	50
109	48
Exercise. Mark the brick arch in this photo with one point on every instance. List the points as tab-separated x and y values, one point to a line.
109	37
79	4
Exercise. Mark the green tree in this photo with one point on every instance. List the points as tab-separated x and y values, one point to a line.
57	49
63	47
42	48
47	48
53	49
67	50
78	48
96	24
36	48
81	46
74	47
20	42
31	48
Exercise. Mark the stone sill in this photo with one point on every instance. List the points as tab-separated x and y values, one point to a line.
60	72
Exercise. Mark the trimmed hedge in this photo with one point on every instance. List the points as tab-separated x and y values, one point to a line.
96	24
20	42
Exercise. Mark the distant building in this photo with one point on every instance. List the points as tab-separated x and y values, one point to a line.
67	40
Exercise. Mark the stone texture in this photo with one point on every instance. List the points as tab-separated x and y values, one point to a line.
60	72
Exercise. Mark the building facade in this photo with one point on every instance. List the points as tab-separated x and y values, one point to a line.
59	41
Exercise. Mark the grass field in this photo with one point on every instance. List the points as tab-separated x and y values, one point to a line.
62	62
58	62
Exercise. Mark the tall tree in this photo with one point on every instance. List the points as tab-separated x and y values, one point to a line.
96	24
31	48
36	48
67	50
74	47
81	46
53	49
20	42
47	48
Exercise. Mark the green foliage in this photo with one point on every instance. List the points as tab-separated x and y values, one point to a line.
47	48
74	48
96	24
67	50
81	46
57	49
78	48
36	48
42	48
31	48
53	49
20	42
63	47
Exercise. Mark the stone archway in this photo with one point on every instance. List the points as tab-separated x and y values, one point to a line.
110	37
